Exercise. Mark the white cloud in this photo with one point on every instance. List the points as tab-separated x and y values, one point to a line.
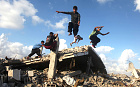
126	54
12	49
58	25
62	32
103	1
116	66
104	49
137	4
36	19
103	57
62	44
13	13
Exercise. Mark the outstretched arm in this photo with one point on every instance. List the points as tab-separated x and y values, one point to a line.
105	34
63	12
99	27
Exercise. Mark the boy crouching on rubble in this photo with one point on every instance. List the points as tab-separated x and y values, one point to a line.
36	49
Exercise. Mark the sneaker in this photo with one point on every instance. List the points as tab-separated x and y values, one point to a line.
93	46
70	34
70	44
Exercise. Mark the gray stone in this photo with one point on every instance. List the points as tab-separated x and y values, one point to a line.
14	74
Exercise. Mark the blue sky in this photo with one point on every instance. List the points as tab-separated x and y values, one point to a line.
27	22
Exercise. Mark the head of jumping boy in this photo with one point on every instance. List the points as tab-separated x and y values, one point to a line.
75	8
51	33
99	29
42	42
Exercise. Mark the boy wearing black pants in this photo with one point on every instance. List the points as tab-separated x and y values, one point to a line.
75	20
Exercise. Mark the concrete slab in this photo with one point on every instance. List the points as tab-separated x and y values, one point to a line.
53	62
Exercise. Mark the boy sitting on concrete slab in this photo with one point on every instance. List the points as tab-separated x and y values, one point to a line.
50	41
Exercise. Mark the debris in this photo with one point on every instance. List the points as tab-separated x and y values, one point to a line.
78	81
71	73
70	81
119	83
30	73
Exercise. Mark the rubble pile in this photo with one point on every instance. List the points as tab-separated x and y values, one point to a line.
75	49
38	78
35	78
75	67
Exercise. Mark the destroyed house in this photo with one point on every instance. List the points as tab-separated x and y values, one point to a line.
82	58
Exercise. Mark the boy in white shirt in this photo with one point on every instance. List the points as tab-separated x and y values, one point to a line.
77	37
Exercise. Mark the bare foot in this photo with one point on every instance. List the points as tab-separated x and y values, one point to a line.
70	44
70	34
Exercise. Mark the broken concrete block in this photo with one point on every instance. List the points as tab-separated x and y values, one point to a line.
95	78
70	81
14	74
30	73
72	73
8	68
52	66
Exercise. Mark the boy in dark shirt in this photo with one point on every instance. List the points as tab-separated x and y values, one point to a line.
50	41
77	37
93	36
75	21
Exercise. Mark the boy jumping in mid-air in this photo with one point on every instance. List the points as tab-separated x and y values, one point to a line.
75	20
93	36
77	37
